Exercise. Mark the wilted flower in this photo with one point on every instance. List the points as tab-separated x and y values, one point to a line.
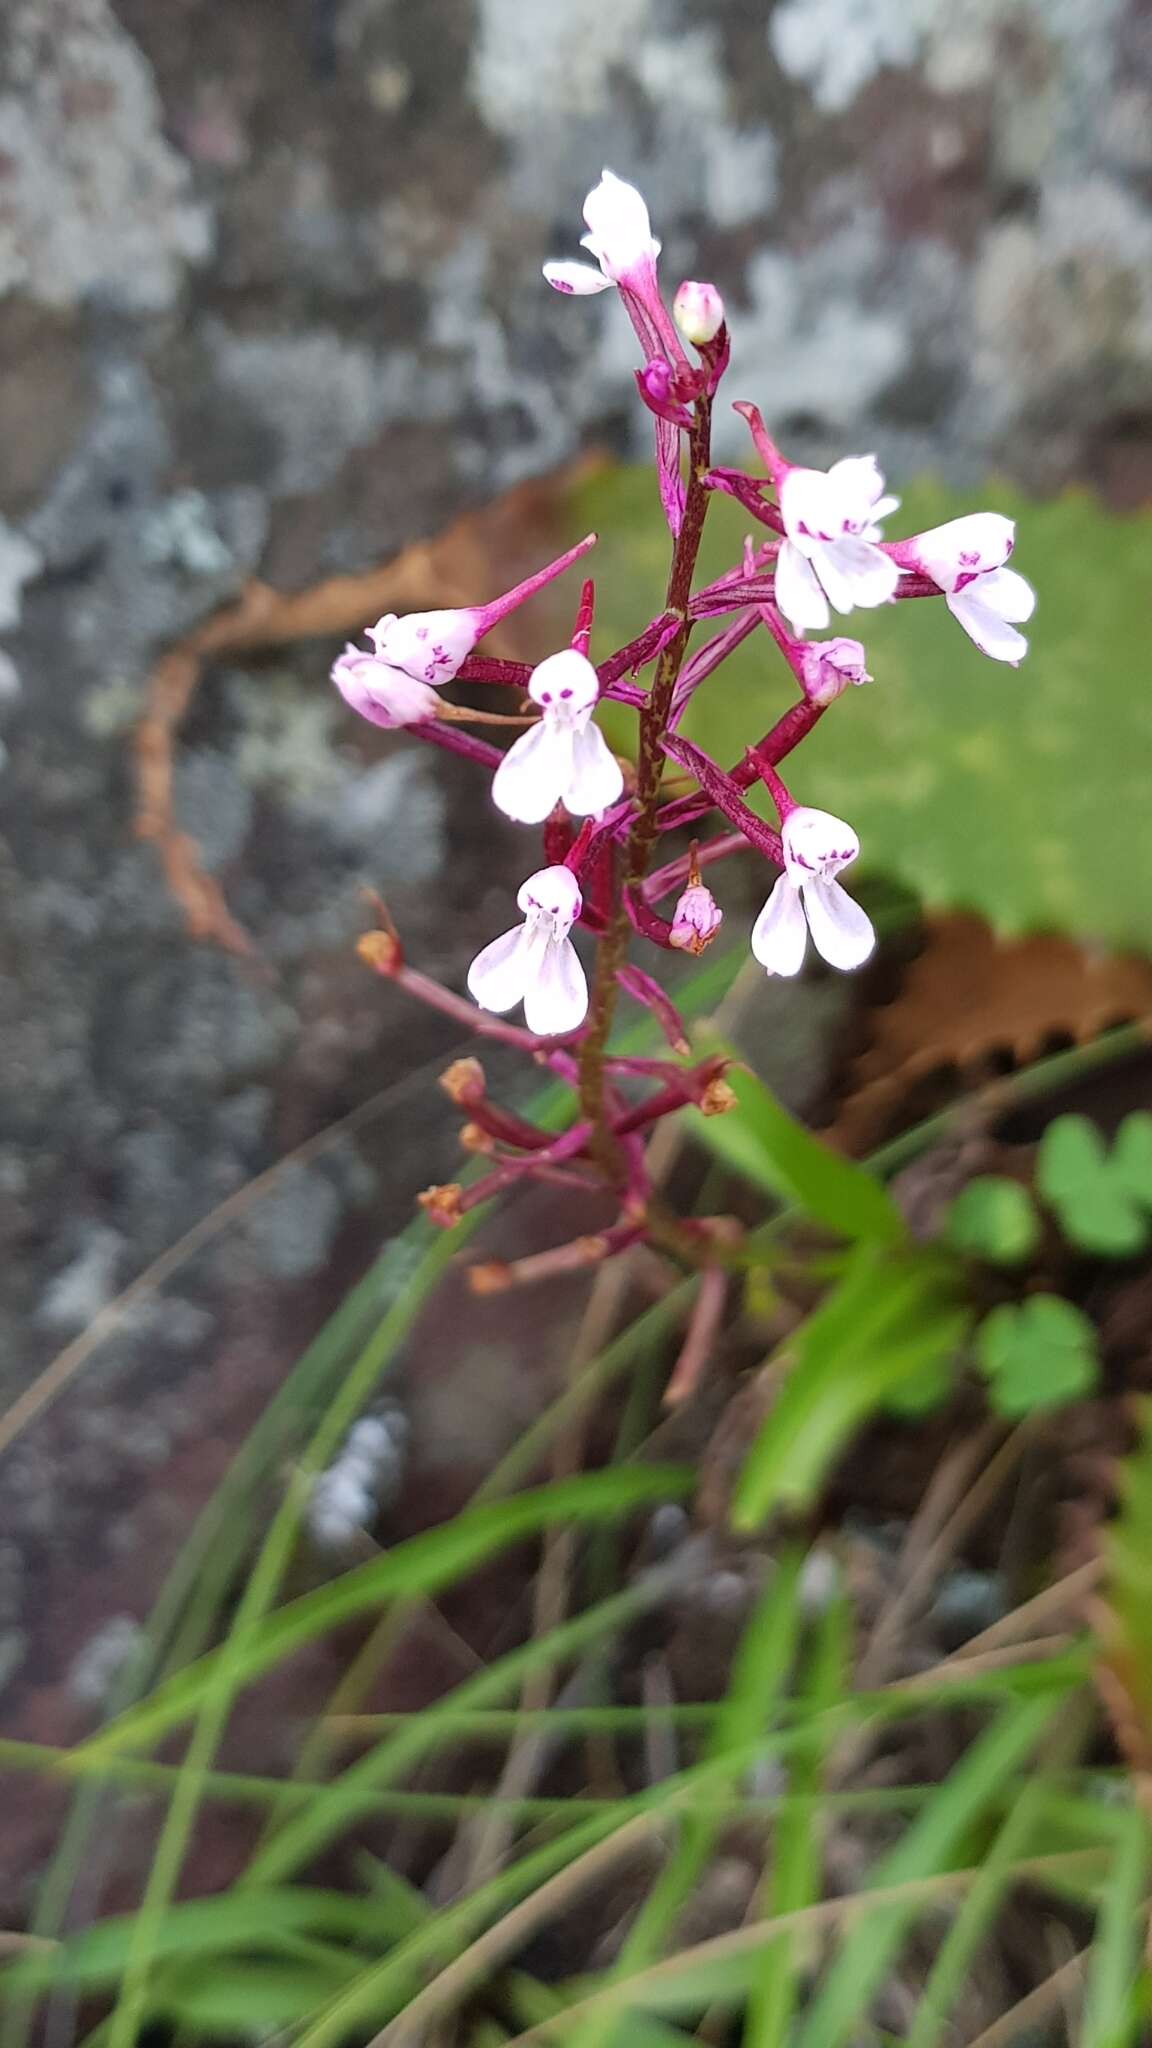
565	757
808	898
536	963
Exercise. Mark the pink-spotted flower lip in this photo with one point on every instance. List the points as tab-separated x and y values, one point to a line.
696	919
829	667
831	554
429	646
564	758
536	963
807	898
966	559
380	692
432	647
619	237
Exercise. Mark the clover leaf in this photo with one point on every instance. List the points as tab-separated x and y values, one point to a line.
1087	1191
1036	1354
993	1218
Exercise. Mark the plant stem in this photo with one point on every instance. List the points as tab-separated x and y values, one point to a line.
649	770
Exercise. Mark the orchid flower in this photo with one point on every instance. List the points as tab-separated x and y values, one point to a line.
698	311
829	667
412	656
536	963
808	898
380	692
564	758
831	553
620	238
965	558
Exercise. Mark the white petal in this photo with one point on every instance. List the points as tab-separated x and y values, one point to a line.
841	931
808	507
964	547
992	634
859	487
620	231
884	506
596	779
557	998
532	775
855	572
798	592
576	280
780	934
1007	592
499	975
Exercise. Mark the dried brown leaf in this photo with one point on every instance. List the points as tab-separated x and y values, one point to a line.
970	996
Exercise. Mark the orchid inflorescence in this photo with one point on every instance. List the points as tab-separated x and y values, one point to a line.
821	551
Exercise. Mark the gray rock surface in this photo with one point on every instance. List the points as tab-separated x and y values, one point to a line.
270	300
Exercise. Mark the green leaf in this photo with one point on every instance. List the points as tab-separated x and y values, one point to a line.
993	1219
422	1566
196	1927
1076	1177
888	1321
976	786
1112	2007
759	1140
1132	1157
931	1844
1037	1354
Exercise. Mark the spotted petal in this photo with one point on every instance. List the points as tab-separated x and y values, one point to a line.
576	280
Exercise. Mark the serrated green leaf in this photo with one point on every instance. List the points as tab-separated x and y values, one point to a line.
1036	1354
976	785
993	1219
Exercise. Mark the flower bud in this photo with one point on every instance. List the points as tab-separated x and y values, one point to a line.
718	1098
830	666
441	1205
381	951
698	311
696	919
463	1081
